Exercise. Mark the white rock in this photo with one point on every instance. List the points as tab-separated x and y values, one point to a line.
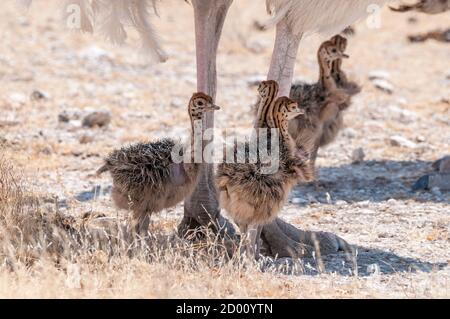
402	115
358	155
349	132
94	53
341	202
401	141
383	85
379	74
298	200
18	98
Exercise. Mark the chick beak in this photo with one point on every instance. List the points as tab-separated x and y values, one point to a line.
344	56
213	107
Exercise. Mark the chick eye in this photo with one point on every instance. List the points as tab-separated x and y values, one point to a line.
200	103
334	50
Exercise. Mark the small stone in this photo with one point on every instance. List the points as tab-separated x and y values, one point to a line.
86	138
341	202
383	85
100	119
63	117
436	191
298	200
400	141
176	102
37	96
349	132
379	75
94	53
391	201
18	98
420	139
358	155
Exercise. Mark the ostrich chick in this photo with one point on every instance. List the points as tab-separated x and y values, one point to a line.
253	197
145	177
332	127
323	101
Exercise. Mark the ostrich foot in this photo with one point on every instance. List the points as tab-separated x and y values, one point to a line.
281	239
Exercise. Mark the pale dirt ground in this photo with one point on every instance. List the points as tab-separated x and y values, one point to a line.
403	236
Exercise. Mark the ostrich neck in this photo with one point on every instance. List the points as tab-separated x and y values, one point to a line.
336	72
283	57
325	78
264	110
286	139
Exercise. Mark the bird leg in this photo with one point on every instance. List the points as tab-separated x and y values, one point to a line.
280	238
251	241
283	57
202	207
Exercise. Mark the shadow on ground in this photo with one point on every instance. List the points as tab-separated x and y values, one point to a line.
367	261
374	181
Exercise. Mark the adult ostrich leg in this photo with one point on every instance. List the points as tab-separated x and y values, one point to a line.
280	238
202	207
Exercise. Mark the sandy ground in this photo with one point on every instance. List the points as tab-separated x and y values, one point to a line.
402	236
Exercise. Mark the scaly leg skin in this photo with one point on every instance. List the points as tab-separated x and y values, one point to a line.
280	238
258	242
201	208
252	233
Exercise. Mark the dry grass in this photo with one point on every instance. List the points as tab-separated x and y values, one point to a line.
45	254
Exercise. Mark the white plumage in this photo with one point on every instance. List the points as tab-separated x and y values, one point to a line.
110	17
323	16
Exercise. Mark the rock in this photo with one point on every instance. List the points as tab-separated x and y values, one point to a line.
86	138
63	117
379	75
100	119
420	139
436	191
401	141
177	103
18	98
37	96
94	53
298	200
358	155
341	202
349	132
391	201
400	114
383	85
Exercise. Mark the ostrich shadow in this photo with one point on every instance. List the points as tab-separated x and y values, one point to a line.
374	181
365	262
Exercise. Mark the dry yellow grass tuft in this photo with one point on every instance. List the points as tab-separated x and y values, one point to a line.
45	254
